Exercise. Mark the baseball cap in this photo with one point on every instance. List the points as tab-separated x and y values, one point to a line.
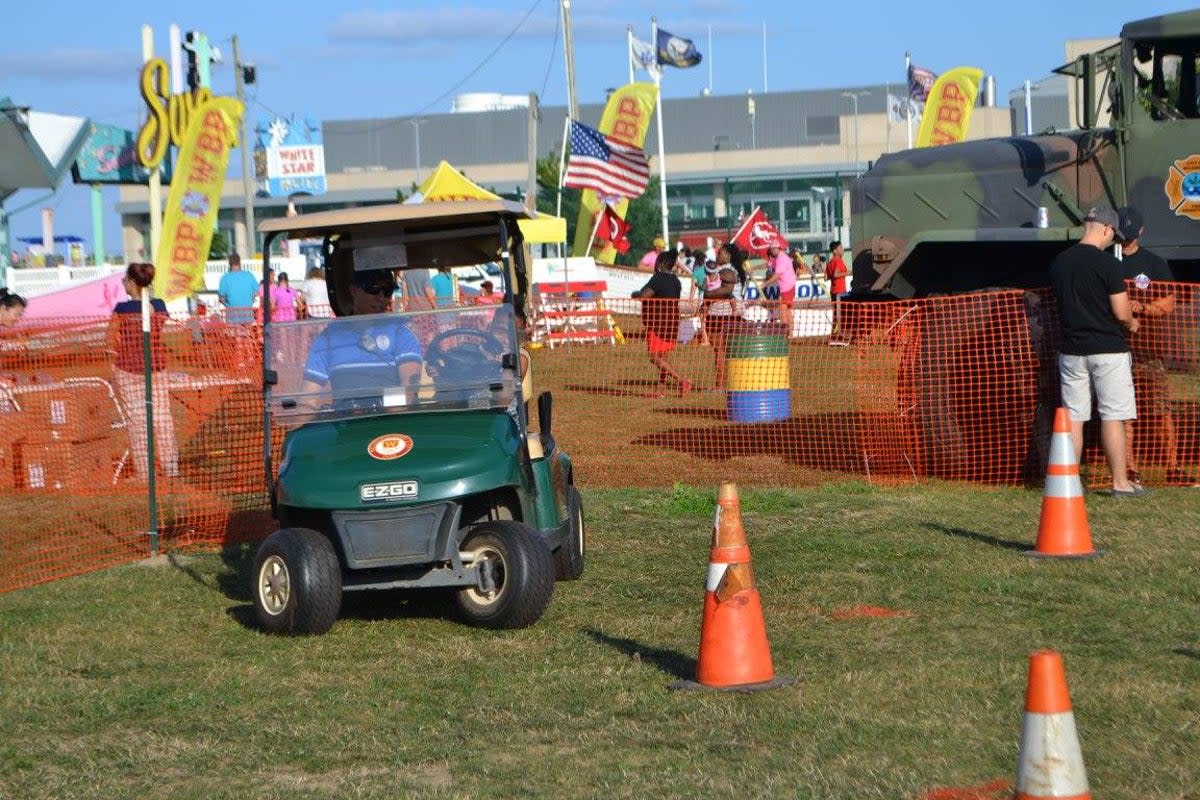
370	278
1105	215
1131	223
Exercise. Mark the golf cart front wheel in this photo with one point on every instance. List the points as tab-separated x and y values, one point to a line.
297	582
516	576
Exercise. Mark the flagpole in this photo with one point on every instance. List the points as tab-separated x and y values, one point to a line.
562	165
710	57
764	56
629	50
595	228
662	154
569	58
908	103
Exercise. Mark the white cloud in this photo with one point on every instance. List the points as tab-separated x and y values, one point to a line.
434	24
74	64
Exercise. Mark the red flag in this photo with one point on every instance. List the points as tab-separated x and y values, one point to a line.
757	234
613	229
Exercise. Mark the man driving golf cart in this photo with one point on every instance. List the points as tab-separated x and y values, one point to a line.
407	458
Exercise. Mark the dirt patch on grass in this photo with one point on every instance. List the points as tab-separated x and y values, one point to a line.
869	612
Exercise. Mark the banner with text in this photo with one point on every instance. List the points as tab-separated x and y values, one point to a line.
948	107
195	198
626	117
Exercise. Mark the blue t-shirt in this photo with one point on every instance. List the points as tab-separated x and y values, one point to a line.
443	288
237	290
366	356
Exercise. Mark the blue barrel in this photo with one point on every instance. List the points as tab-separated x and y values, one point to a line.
757	374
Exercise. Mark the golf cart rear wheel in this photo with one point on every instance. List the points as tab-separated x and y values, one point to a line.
569	558
297	582
517	576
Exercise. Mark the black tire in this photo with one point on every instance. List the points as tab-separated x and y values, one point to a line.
297	582
523	569
569	558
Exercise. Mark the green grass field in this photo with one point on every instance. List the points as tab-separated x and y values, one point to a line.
149	681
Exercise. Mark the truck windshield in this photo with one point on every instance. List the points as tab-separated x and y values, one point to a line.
1166	78
445	359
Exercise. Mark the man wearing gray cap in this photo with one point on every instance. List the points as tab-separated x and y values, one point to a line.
1094	309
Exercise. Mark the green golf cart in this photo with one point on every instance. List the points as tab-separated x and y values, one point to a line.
407	459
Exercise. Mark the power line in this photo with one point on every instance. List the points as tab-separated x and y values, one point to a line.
485	60
553	52
372	126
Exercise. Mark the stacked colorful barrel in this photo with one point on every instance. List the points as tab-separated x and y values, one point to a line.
756	374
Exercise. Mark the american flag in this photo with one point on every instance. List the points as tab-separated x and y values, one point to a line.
610	167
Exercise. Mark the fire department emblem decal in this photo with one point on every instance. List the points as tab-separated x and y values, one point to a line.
1183	187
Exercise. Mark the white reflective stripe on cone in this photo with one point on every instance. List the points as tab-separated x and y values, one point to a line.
1063	486
1051	764
1062	450
715	573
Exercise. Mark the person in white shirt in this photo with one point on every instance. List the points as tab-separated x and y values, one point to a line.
316	293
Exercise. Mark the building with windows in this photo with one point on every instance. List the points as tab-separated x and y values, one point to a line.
793	153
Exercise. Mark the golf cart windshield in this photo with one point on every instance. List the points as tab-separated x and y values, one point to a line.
446	359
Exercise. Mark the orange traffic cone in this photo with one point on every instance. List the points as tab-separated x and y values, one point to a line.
1063	531
1051	763
734	652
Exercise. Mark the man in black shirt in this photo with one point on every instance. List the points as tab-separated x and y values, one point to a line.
1094	308
1152	298
660	320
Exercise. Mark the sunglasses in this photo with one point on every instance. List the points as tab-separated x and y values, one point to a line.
378	288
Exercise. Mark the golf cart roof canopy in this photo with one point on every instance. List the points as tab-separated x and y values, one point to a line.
373	221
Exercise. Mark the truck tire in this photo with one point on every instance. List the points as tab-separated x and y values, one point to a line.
569	558
522	569
297	582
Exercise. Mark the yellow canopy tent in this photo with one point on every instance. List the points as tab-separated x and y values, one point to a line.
447	184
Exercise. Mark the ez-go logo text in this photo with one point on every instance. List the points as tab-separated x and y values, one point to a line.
393	490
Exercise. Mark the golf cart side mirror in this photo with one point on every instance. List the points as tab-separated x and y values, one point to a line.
545	406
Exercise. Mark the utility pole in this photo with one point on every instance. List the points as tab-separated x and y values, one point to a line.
535	116
248	177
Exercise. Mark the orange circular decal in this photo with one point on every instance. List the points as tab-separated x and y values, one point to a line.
389	446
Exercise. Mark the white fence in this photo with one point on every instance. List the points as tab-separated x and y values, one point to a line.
34	281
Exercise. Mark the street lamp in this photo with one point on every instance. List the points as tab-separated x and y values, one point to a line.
417	123
854	96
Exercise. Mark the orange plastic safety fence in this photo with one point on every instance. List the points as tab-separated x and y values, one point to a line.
73	441
957	388
647	393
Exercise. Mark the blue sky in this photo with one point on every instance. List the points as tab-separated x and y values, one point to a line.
353	59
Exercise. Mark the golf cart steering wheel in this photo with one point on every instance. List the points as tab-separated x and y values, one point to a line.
466	359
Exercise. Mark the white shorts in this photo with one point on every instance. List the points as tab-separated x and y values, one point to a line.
1112	376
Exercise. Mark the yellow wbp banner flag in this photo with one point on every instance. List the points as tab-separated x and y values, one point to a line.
947	116
195	198
626	117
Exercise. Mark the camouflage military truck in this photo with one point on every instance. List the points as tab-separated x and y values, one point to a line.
965	217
